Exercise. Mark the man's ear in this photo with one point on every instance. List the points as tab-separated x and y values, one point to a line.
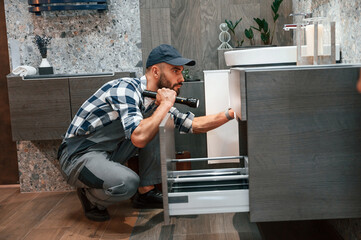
155	71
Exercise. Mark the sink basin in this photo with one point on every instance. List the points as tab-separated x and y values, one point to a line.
285	55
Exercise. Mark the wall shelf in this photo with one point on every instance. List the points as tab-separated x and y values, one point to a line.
38	6
42	109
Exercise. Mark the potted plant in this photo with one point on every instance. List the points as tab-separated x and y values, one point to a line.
263	28
42	44
265	32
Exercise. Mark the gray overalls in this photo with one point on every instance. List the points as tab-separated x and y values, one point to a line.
95	162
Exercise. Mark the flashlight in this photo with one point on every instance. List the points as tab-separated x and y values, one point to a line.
191	102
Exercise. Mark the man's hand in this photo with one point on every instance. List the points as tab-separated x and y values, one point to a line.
148	127
165	96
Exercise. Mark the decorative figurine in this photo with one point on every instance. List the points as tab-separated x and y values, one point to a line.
224	37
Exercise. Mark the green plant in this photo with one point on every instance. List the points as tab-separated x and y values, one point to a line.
186	75
263	29
232	26
249	34
240	43
275	6
266	34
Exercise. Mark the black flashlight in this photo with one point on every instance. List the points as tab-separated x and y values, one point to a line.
191	102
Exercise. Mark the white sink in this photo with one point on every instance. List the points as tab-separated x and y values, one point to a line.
268	55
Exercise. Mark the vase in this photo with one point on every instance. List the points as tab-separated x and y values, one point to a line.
45	67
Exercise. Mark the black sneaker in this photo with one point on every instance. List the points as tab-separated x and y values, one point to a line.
151	199
90	210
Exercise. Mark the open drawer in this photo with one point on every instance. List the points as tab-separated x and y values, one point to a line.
201	191
209	190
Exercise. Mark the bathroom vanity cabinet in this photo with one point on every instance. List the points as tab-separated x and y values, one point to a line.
303	137
302	158
41	108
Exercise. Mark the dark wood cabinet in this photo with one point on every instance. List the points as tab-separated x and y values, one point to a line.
39	109
42	108
303	137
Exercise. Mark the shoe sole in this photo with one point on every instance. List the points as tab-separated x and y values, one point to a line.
88	213
97	218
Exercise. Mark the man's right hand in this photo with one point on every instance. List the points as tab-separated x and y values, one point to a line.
165	96
148	127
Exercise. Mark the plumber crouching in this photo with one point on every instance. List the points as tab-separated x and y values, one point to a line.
115	124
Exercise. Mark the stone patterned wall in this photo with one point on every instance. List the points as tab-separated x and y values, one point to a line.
82	41
347	15
38	167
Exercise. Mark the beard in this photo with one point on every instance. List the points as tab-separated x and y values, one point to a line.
164	83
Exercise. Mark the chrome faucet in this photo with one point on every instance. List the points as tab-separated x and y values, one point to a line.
305	15
287	27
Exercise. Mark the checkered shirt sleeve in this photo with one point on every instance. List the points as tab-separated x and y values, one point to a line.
182	121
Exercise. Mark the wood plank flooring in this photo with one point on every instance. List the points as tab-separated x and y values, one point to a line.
59	216
208	227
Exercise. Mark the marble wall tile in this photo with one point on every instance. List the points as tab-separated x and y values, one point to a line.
39	168
82	41
347	15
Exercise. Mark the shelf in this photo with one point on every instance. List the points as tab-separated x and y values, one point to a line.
38	6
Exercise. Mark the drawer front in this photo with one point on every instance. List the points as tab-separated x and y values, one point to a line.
304	139
39	108
208	202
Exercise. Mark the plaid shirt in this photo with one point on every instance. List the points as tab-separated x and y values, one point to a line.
120	99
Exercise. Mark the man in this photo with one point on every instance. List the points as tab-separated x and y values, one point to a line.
116	123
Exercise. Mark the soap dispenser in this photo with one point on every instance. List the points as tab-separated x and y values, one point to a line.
320	45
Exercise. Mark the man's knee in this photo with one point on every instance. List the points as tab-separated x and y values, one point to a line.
126	187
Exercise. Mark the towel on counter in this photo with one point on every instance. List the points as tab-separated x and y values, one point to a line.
24	70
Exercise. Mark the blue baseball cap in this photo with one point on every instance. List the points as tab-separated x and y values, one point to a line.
168	54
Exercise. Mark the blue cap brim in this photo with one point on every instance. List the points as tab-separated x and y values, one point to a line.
181	62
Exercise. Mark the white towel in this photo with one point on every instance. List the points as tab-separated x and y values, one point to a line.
24	70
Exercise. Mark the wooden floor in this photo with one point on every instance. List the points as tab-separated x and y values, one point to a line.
58	215
52	216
